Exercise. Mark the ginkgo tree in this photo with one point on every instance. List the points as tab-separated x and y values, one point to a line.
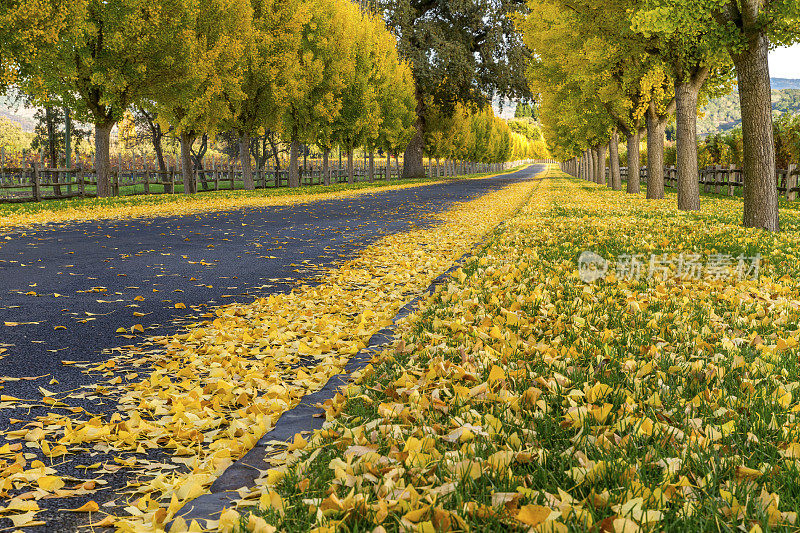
269	72
359	115
327	47
111	54
745	29
215	35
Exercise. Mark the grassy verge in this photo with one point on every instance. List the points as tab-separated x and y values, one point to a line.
22	214
521	397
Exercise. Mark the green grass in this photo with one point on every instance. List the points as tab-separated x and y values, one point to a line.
698	382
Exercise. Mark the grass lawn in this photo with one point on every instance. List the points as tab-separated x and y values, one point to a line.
521	397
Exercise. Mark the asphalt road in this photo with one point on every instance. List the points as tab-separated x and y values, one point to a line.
66	288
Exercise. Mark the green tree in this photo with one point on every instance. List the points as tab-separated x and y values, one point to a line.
215	35
270	69
459	51
745	28
112	54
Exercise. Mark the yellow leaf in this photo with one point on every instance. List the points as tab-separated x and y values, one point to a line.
298	444
137	327
180	305
743	472
88	507
50	483
496	374
533	515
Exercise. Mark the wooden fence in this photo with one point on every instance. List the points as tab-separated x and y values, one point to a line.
724	179
35	184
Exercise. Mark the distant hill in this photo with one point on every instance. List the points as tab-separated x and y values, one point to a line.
723	114
17	113
785	83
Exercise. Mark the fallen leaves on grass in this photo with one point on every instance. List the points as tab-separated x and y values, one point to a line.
521	397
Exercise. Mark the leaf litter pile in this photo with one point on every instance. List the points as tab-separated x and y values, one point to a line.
206	395
521	398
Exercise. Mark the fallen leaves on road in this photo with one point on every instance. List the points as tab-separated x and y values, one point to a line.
208	394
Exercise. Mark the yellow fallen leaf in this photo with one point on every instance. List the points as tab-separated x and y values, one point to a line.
88	507
50	483
533	515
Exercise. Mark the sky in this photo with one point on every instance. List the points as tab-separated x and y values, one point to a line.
785	62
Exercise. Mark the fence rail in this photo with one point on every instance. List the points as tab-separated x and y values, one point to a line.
25	184
724	179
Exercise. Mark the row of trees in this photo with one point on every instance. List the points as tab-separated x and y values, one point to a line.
628	66
479	136
318	71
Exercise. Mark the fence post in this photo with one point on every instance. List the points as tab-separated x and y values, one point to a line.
791	182
37	191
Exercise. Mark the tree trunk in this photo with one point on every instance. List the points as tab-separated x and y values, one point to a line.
760	184
655	154
294	171
613	156
187	166
350	173
412	159
158	149
601	164
371	166
592	165
51	145
686	128
588	165
247	167
633	163
388	165
102	162
326	168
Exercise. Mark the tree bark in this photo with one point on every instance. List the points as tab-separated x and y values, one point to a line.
760	184
51	145
187	166
590	164
613	156
656	127
247	167
371	166
350	173
326	167
601	164
686	128
102	160
412	158
294	171
159	150
388	165
633	163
